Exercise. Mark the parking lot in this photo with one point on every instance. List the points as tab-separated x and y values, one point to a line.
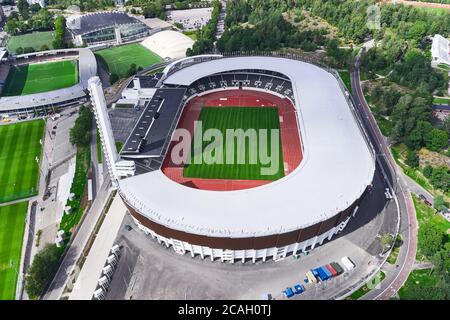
191	19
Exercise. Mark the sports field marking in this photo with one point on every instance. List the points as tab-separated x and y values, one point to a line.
223	118
19	171
12	226
119	59
40	77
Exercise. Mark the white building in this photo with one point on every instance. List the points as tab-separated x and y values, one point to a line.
440	51
39	2
168	44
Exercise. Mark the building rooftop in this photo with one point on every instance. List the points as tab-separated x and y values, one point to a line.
153	129
99	20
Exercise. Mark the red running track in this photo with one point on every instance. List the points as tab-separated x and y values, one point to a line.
290	137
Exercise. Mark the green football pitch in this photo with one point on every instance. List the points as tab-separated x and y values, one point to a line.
40	77
223	118
119	59
19	171
34	40
12	225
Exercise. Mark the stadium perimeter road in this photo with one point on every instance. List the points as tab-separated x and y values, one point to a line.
147	270
408	223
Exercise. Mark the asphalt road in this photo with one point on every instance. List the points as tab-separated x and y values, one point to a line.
408	222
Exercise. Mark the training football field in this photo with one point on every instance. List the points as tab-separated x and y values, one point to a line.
223	118
33	40
19	171
40	77
119	59
12	225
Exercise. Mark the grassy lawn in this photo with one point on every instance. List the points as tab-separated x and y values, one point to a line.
119	145
422	284
373	282
12	227
124	106
191	34
35	40
69	221
19	171
40	77
392	259
235	118
418	281
443	66
345	76
119	59
427	215
99	148
437	100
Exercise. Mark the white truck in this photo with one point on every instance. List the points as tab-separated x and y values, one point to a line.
348	264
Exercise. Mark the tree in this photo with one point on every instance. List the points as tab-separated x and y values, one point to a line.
446	125
432	240
386	241
19	50
23	7
427	171
440	178
113	77
34	8
43	267
412	159
436	139
60	29
80	134
439	203
11	26
132	70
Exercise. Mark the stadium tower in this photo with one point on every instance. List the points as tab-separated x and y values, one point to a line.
116	167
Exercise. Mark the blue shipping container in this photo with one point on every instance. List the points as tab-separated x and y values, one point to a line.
322	275
329	274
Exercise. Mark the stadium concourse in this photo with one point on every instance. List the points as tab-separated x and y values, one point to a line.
290	138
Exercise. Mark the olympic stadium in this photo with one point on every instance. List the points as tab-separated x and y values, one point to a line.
230	213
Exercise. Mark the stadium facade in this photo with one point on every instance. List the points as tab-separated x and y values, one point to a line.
293	214
44	101
105	27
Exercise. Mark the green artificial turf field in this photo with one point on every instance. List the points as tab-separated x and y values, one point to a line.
34	40
119	59
40	77
12	225
223	118
19	171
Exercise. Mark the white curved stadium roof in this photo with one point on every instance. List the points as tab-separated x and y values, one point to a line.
168	43
337	165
